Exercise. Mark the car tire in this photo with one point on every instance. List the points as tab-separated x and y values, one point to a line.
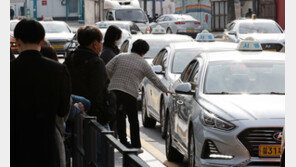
169	31
147	122
172	154
191	149
163	120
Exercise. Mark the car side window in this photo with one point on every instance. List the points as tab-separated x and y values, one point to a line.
167	18
230	26
187	71
160	19
134	27
164	59
194	74
158	58
124	47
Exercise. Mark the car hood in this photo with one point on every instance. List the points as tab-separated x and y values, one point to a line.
245	107
265	38
149	61
59	36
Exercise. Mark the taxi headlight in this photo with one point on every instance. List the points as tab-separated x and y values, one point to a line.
213	121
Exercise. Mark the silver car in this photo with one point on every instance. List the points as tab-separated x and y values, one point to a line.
130	26
178	24
170	62
267	31
229	110
58	34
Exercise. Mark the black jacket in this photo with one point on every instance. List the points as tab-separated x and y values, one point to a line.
40	89
108	54
89	79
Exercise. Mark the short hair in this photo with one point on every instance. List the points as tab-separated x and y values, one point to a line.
49	52
88	34
29	31
140	47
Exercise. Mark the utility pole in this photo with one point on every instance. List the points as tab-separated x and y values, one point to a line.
35	9
153	8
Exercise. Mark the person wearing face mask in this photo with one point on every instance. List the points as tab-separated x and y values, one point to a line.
89	77
111	42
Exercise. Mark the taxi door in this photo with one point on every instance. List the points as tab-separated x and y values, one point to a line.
184	104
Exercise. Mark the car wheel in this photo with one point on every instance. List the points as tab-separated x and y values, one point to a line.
147	122
191	149
172	154
169	31
163	120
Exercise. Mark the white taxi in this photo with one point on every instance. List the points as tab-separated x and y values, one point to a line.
170	62
266	31
229	109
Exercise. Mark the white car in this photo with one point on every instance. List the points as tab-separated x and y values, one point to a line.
170	62
130	26
229	109
266	31
178	24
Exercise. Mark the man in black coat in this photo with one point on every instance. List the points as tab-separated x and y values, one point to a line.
40	90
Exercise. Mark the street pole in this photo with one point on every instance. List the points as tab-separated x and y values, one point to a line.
67	8
153	8
145	6
35	9
161	7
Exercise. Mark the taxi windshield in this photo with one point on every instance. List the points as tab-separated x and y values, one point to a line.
182	59
135	15
245	77
264	27
51	27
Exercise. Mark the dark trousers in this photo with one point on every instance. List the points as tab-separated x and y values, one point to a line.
127	105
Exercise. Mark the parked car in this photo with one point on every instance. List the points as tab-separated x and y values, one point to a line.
267	31
170	62
178	24
134	14
59	34
130	26
226	100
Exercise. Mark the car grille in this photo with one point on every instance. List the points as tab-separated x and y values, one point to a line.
252	138
268	46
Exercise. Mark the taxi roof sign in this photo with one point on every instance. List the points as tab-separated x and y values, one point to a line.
205	36
158	30
249	44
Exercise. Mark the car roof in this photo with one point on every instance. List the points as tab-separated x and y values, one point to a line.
205	46
116	22
162	37
55	22
244	55
248	20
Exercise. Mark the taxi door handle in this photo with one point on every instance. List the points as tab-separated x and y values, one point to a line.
180	102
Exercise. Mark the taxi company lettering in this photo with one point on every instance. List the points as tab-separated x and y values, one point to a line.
247	45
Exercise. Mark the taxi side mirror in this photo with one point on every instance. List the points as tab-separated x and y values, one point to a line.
184	88
158	69
232	32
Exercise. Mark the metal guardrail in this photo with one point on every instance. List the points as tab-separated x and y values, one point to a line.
85	146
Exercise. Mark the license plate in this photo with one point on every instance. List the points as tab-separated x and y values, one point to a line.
190	30
270	50
58	47
269	150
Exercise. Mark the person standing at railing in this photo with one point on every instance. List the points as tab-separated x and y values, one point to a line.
126	72
88	75
40	90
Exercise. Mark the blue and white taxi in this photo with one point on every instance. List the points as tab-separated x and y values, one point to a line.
170	62
229	109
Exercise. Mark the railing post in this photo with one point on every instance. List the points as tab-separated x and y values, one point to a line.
90	143
78	143
107	157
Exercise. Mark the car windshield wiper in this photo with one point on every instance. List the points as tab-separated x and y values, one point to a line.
276	93
219	93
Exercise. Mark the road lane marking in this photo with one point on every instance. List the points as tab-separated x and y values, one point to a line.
155	152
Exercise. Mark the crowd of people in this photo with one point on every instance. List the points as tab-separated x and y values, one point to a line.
46	96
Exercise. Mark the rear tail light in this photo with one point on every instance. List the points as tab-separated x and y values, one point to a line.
197	22
179	22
